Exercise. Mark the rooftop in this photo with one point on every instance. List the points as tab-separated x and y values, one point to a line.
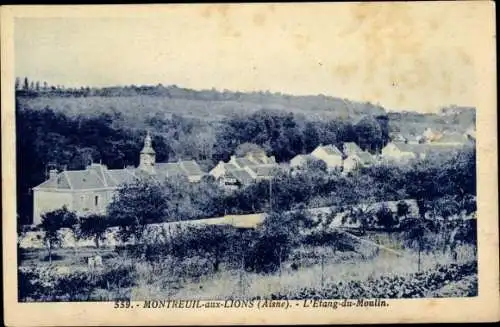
98	176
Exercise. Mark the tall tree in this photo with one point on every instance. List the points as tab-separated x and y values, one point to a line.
26	84
93	226
52	222
17	84
135	205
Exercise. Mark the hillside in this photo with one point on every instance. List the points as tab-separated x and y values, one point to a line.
204	104
136	104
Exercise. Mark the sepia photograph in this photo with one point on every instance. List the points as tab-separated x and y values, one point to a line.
249	156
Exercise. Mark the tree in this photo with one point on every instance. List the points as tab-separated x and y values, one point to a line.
385	217
369	134
445	208
52	222
26	84
93	226
417	231
315	164
135	205
17	84
403	209
274	242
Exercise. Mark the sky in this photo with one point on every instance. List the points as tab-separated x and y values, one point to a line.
403	56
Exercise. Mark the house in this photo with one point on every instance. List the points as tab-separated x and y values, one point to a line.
403	152
89	191
448	139
240	171
350	148
354	157
329	154
357	160
300	160
261	172
234	178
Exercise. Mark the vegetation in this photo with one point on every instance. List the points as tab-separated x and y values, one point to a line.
59	131
93	226
52	222
417	285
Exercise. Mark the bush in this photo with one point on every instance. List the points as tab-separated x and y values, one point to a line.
49	284
418	285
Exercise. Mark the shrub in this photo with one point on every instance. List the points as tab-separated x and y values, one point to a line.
417	285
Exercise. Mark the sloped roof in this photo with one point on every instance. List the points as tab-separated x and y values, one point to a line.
230	167
169	169
84	179
191	167
263	170
451	138
365	157
260	158
241	175
60	182
242	162
120	176
332	150
412	147
426	148
351	147
303	156
98	176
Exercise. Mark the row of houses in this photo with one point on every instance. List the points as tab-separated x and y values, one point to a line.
349	158
91	190
436	137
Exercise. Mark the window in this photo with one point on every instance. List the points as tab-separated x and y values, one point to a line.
96	200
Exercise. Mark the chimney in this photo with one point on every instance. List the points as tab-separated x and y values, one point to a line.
52	173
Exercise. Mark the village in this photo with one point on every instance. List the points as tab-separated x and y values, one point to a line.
91	190
278	207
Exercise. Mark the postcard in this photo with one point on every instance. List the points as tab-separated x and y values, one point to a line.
275	163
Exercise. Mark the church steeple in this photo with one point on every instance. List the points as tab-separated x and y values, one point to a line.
148	155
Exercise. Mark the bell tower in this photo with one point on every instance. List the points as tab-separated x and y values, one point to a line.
148	155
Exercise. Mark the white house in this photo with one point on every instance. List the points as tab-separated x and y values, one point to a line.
329	154
356	160
350	148
89	191
403	152
240	171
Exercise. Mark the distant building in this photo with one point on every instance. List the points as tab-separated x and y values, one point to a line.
350	148
451	139
241	171
357	160
402	152
355	157
329	154
91	190
300	160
